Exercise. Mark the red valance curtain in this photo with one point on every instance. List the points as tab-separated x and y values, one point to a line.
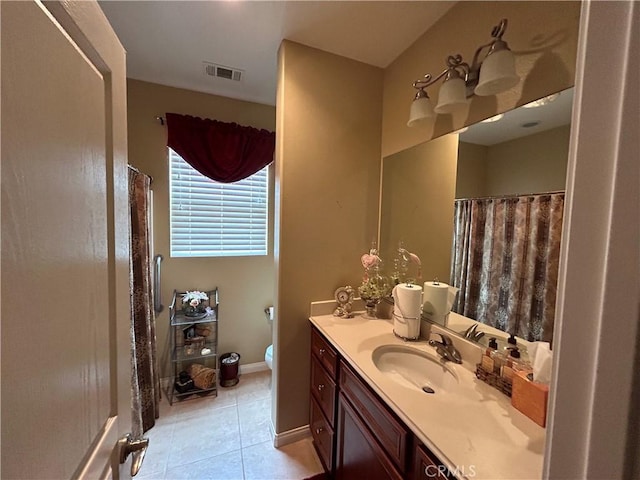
224	152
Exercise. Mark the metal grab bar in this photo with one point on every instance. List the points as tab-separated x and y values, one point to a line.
157	297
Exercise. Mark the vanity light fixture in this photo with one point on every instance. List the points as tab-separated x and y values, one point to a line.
493	74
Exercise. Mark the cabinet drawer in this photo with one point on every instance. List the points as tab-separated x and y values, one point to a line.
425	468
392	435
324	352
323	389
322	435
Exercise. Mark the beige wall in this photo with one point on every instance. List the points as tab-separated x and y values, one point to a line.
536	163
471	177
328	163
544	68
531	164
246	283
412	180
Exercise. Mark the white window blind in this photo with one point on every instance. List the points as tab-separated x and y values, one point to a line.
212	219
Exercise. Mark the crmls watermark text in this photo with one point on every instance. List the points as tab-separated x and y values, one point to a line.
433	471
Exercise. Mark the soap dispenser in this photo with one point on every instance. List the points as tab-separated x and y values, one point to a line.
487	362
510	361
514	363
498	358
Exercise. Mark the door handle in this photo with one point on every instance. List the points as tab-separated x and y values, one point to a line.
126	446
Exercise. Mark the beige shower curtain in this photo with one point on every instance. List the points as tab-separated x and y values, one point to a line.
145	381
505	261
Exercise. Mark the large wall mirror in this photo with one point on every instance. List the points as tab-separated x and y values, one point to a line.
523	153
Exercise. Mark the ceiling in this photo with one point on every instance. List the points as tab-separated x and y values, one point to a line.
522	122
168	41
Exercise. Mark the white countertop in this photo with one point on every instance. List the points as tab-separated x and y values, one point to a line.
474	431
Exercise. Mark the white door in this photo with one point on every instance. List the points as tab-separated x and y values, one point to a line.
64	281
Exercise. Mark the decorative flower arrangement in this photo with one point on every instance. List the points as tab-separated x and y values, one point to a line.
374	285
373	288
192	303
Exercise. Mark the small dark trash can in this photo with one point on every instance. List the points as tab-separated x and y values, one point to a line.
229	363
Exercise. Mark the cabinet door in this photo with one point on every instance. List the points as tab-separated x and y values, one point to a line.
390	433
359	455
425	468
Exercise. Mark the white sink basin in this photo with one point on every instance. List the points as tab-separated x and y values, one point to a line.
415	369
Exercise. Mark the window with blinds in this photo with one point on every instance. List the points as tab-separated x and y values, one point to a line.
211	219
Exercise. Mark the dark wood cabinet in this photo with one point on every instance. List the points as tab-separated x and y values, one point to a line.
323	409
323	389
355	433
359	455
425	467
390	432
324	353
323	435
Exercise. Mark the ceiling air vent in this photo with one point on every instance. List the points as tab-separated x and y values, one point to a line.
220	71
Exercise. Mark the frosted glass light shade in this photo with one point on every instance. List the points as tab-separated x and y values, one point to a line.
453	95
497	73
421	109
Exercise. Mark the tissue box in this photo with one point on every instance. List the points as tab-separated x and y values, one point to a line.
530	398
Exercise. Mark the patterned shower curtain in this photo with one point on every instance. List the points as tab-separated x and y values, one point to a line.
505	261
145	380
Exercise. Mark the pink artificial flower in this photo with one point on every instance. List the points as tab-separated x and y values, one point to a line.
369	260
415	259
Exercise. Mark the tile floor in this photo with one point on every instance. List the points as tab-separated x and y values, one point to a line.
225	438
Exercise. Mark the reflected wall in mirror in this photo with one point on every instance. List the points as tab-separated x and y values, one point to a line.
418	187
524	152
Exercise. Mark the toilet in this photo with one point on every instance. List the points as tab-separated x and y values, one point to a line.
268	353
268	357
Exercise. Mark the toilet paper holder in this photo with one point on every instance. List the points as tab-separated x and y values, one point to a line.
405	324
407	311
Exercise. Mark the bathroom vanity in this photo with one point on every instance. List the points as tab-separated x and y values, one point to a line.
370	417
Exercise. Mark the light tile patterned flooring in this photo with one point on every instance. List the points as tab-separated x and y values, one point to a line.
225	438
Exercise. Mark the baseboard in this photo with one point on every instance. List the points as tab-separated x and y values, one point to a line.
253	367
290	436
165	382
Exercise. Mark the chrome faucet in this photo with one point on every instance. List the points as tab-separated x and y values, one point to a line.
446	349
472	333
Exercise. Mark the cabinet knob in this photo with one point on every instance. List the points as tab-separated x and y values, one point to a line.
321	351
319	430
320	387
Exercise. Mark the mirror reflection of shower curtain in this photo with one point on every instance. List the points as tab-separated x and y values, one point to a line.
505	261
145	381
